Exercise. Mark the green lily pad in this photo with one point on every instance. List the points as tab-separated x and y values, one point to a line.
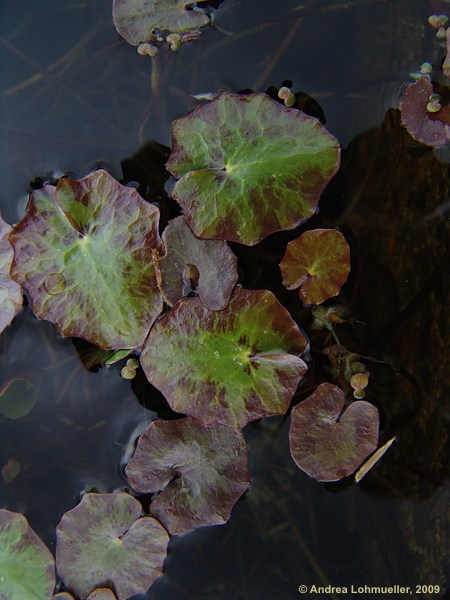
10	291
213	263
248	167
226	367
325	442
17	398
202	472
140	20
83	253
103	542
318	262
27	567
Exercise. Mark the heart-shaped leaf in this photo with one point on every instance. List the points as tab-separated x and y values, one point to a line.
27	567
214	264
249	166
318	262
140	20
83	253
202	471
429	128
17	398
226	367
10	291
103	542
325	442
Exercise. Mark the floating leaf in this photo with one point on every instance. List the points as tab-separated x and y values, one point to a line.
431	129
213	260
83	252
103	542
17	398
318	262
202	471
27	567
249	166
226	367
141	20
10	291
326	444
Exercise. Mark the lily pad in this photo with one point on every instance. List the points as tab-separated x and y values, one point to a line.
325	442
212	260
248	167
17	398
202	472
140	20
103	542
318	262
429	128
226	367
27	567
83	253
10	291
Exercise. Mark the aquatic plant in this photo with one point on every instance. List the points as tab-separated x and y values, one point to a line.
27	567
104	541
202	472
10	291
247	167
89	256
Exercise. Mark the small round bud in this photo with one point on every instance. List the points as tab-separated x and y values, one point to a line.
434	107
147	49
174	39
433	20
359	382
283	92
128	373
290	100
426	68
133	363
440	34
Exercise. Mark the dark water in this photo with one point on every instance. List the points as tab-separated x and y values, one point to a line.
76	96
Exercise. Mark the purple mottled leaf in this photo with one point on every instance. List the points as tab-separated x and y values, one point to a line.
10	291
202	472
318	262
83	253
103	542
140	20
213	262
27	567
248	167
226	367
431	129
325	442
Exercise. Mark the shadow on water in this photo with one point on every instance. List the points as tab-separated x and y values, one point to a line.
76	97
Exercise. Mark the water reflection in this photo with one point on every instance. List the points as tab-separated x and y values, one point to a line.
73	439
